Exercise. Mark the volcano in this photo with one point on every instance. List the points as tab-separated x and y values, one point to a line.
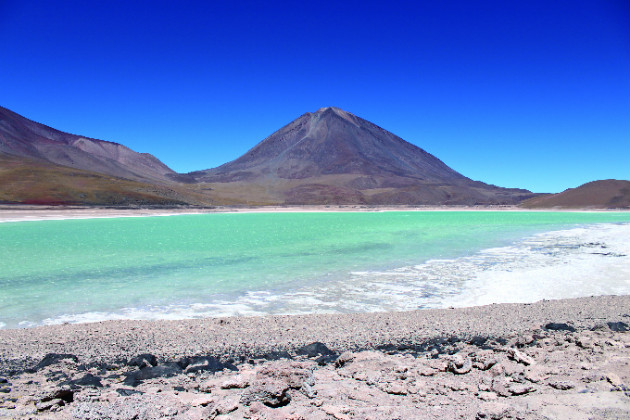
334	157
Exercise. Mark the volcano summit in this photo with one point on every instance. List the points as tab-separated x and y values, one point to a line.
332	156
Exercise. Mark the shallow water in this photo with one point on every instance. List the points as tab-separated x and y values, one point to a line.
260	263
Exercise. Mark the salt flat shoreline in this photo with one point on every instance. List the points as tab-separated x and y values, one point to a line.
18	213
235	337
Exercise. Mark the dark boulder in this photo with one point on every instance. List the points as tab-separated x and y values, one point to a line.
618	326
559	326
54	358
314	350
143	360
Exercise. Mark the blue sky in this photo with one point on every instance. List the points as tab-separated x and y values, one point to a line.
531	94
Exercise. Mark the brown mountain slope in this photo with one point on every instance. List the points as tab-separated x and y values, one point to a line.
334	157
21	137
27	181
605	194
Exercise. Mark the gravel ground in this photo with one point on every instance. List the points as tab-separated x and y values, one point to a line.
234	337
562	359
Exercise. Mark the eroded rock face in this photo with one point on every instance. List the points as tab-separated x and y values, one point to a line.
530	376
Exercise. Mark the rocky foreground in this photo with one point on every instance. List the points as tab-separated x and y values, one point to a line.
567	359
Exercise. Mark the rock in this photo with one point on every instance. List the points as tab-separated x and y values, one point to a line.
501	387
143	360
314	349
613	379
206	387
204	364
54	358
495	411
519	357
64	393
487	396
326	359
519	389
3	380
295	375
125	392
275	355
49	404
150	372
559	326
336	412
235	382
562	385
87	380
308	391
169	412
344	358
459	365
618	326
395	389
227	405
271	393
535	375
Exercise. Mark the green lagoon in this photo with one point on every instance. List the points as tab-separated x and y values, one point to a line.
255	263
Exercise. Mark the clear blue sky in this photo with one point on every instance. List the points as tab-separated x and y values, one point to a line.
532	94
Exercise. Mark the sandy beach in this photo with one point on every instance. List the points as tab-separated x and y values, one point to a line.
551	359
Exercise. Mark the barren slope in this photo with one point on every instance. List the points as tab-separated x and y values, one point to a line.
605	194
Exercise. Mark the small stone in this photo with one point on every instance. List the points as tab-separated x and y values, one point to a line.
519	357
5	389
613	379
308	391
344	358
143	360
459	365
562	385
487	396
271	393
47	405
559	326
521	389
618	326
237	382
500	386
495	411
396	389
169	411
227	405
206	387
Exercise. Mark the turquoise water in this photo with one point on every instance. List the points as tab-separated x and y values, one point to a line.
111	267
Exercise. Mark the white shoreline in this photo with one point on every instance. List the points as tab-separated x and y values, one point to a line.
10	213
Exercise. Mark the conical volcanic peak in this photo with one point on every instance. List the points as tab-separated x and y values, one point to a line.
332	156
332	141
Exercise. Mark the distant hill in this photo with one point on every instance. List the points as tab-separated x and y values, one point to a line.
27	181
605	194
334	157
23	138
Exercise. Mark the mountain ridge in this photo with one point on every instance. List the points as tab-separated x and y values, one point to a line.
21	137
329	156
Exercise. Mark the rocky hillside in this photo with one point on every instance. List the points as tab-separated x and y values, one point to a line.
23	138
